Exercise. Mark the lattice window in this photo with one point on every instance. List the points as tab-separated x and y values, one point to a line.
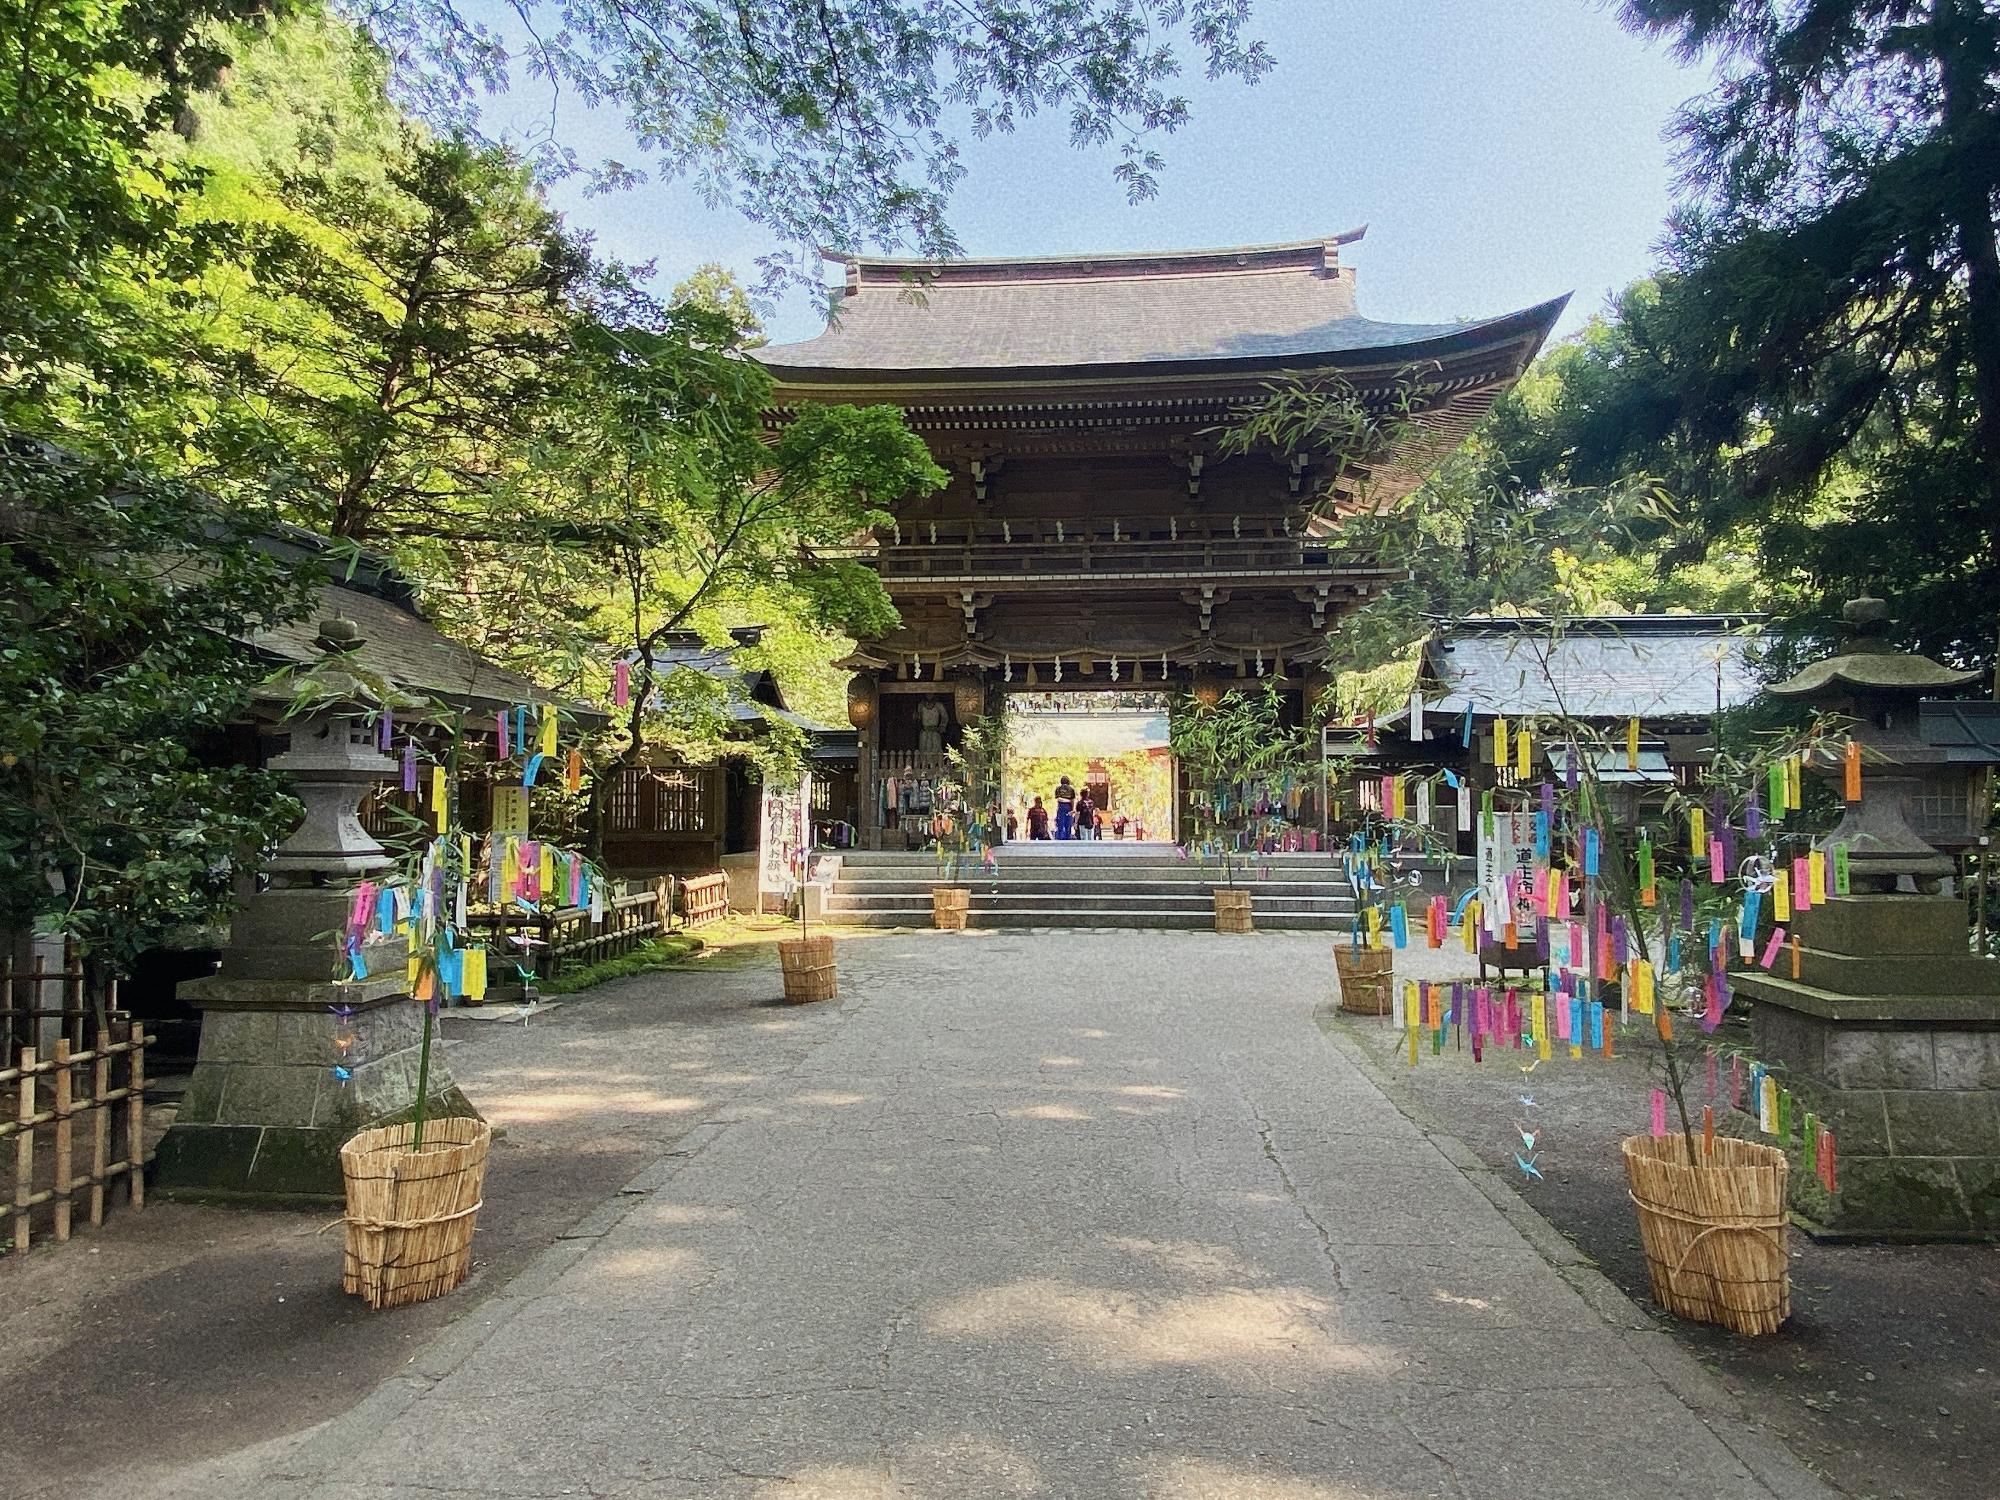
683	803
385	808
622	808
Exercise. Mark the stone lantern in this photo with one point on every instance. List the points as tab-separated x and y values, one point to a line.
1891	1032
1877	690
296	1053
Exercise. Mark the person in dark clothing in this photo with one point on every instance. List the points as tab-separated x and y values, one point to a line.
1086	817
1065	810
1013	827
1038	821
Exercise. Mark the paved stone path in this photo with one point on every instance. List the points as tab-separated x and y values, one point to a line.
1082	1214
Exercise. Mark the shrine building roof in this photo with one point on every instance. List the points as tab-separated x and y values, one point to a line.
1249	308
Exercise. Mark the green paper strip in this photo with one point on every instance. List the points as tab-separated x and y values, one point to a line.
1776	790
1840	869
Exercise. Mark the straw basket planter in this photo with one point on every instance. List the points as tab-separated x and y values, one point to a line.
950	906
1366	975
808	966
1714	1235
1232	911
410	1214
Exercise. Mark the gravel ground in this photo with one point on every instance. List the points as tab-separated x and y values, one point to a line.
1887	1377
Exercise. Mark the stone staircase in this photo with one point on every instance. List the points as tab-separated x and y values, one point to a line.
1105	884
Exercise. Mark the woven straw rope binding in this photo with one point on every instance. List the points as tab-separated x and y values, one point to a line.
1714	1234
411	1214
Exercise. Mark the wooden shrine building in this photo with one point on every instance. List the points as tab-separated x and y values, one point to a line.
1093	534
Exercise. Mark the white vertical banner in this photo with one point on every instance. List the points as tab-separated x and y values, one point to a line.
1510	849
785	838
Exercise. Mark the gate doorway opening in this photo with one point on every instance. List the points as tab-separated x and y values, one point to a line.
1111	746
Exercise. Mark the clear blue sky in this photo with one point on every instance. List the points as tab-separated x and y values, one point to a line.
1500	152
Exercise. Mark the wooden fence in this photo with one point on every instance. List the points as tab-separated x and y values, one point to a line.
50	1095
704	899
38	1003
550	941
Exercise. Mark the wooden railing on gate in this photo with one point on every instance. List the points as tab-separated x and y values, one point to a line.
54	1125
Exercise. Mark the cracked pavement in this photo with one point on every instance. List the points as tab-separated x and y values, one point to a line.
1047	1214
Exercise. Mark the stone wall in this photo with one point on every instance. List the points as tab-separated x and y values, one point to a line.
1915	1110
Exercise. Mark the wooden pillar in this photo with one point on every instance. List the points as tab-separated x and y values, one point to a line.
864	712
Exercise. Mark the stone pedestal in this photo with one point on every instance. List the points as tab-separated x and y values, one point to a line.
1891	1034
292	1061
266	1114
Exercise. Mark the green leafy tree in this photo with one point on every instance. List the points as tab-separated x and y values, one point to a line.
406	338
830	122
1563	494
1230	749
89	202
121	663
699	518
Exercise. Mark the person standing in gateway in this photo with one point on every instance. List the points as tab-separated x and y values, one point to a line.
1065	810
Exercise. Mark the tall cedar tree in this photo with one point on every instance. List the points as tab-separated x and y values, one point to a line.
1829	334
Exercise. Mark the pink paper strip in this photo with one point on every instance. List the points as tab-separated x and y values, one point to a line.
1772	948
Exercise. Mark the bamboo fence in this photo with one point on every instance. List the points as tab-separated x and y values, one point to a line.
51	1096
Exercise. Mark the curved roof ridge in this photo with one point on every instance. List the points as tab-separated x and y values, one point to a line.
1288	253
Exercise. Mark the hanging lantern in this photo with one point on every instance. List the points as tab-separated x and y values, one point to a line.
1207	689
861	699
969	698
